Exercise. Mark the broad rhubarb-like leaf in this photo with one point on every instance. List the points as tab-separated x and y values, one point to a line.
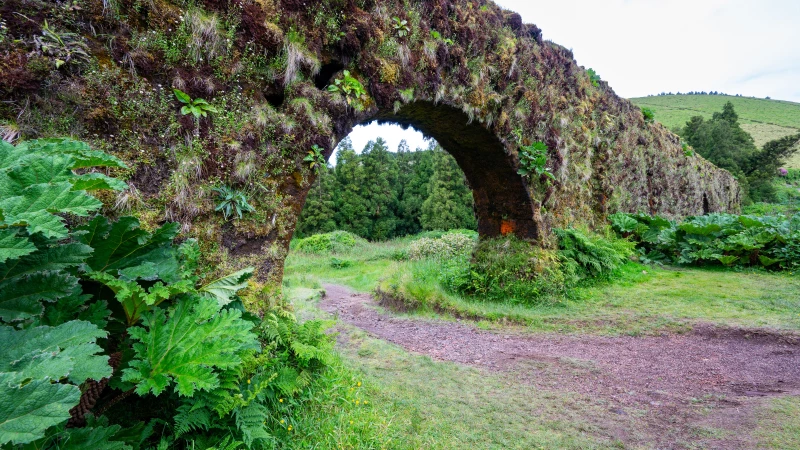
28	410
185	345
224	289
66	351
13	246
123	244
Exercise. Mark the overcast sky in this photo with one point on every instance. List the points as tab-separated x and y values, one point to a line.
642	47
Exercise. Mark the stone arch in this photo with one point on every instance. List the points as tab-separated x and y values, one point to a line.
502	200
466	72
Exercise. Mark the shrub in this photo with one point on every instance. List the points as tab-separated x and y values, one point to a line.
649	115
315	158
337	263
511	269
715	239
533	161
594	78
197	107
333	242
449	245
587	255
354	92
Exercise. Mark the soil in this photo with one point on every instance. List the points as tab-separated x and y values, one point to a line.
673	378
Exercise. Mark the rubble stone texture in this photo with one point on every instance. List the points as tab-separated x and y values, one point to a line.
467	73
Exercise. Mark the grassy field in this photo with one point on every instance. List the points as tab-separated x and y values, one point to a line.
415	402
641	300
765	120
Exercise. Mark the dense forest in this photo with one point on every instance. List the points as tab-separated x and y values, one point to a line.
379	194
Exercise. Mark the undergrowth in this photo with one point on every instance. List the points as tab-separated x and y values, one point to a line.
715	239
110	340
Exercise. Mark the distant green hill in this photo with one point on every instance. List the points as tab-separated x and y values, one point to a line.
764	119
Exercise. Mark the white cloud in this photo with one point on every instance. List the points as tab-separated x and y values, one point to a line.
642	47
645	47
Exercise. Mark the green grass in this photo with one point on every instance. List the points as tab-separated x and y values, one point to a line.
416	402
779	424
765	120
640	300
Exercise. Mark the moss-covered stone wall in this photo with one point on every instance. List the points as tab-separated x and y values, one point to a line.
466	72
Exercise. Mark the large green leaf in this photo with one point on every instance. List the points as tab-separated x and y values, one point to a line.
9	155
68	350
48	257
95	181
135	299
33	170
81	153
94	438
28	410
37	204
224	289
185	345
13	246
28	280
21	297
123	244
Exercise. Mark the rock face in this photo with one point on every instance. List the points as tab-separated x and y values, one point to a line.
468	73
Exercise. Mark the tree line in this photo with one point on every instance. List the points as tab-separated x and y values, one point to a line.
722	141
380	195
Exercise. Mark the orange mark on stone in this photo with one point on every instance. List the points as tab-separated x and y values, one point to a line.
506	227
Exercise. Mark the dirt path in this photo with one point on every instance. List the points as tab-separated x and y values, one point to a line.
668	376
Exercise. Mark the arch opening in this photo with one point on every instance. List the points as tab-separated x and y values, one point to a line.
502	202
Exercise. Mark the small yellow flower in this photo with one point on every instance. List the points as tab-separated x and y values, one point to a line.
365	402
290	428
280	400
351	422
357	402
248	381
282	421
358	384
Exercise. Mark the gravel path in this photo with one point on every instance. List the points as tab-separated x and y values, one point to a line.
665	374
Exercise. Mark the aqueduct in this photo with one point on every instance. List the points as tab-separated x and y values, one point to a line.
466	72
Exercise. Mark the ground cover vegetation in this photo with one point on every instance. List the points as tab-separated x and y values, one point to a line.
115	337
128	333
380	195
729	240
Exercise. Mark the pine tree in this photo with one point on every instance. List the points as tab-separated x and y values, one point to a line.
449	204
380	180
722	141
351	211
415	172
319	212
